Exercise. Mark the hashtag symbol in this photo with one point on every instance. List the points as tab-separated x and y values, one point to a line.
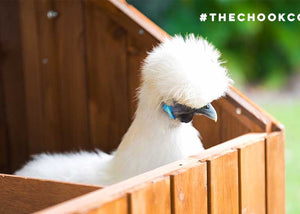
203	17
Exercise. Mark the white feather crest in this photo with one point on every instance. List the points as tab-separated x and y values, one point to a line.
187	70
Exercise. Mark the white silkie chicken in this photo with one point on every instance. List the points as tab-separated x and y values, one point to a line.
180	78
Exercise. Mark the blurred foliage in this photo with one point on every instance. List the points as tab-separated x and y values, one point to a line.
255	52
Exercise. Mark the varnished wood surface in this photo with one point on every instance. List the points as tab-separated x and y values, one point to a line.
275	173
117	206
26	195
107	78
252	178
223	192
13	122
72	74
32	77
97	199
151	198
189	190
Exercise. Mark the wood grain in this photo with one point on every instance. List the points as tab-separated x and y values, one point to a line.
41	77
4	164
151	198
13	84
52	115
107	79
117	206
72	76
251	111
252	178
189	190
133	21
55	77
231	127
275	173
26	195
98	198
135	57
32	76
223	184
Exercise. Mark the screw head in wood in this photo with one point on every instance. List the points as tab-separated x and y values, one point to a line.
45	60
51	14
141	31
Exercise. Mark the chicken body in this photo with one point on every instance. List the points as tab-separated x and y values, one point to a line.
151	141
183	75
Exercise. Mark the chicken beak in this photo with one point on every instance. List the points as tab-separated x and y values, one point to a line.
208	111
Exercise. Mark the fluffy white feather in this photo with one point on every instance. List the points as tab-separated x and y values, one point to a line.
184	70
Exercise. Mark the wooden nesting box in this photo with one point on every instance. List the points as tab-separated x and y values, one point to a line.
67	67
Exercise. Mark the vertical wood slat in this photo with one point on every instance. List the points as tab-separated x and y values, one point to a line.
4	164
223	184
189	190
32	76
151	198
275	173
107	78
52	132
72	74
13	83
230	126
55	77
135	57
117	206
252	178
40	76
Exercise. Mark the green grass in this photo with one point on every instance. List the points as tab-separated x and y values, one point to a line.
289	114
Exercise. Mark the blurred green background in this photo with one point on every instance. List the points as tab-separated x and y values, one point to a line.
263	58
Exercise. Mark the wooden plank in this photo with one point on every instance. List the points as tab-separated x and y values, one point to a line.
98	198
230	126
4	164
223	184
252	178
241	114
55	76
151	197
143	182
72	75
107	79
209	130
31	63
252	112
118	206
189	190
26	195
40	74
135	56
133	21
13	85
52	115
275	173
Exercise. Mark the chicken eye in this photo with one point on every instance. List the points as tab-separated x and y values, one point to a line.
206	107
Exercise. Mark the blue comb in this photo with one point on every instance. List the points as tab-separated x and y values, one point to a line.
169	110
